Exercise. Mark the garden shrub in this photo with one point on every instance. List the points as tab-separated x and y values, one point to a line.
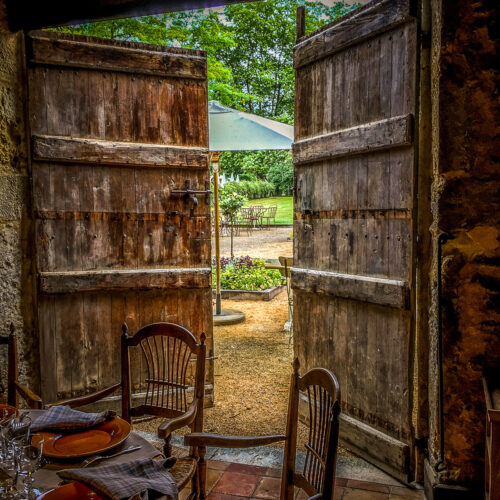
245	273
251	189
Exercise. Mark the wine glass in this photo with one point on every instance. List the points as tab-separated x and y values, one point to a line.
8	474
28	461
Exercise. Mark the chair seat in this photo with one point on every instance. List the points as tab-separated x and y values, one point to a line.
183	470
185	466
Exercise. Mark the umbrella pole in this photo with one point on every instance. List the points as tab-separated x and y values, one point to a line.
215	168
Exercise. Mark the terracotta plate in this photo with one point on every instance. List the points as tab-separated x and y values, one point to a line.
7	411
71	491
82	444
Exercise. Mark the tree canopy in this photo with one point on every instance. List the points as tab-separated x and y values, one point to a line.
249	50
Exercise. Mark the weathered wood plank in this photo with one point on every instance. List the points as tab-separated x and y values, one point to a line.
123	279
395	213
73	150
388	453
92	53
366	22
393	293
377	447
376	136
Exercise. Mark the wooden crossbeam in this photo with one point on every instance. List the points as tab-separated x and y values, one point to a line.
123	279
77	150
381	291
99	54
375	136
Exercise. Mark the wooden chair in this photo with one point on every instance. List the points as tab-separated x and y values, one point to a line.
14	387
167	350
319	390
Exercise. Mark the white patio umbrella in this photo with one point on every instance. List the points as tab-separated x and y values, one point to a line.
232	130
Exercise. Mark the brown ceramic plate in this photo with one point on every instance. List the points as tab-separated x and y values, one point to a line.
99	439
71	491
7	411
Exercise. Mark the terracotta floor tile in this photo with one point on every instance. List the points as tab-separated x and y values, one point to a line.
401	493
365	485
272	472
246	469
301	495
217	464
355	494
338	493
213	476
269	487
222	496
236	483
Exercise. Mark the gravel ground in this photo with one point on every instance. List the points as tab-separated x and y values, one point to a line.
252	373
269	243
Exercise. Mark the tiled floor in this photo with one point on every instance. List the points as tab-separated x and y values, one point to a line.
230	481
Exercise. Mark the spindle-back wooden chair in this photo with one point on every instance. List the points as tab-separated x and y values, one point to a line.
318	391
167	352
14	387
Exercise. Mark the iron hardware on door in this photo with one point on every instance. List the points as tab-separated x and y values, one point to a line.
190	194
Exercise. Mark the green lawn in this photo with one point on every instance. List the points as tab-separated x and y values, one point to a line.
284	214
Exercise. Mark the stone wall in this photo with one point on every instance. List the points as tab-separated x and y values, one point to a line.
465	205
16	290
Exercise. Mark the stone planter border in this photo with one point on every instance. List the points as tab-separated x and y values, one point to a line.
267	294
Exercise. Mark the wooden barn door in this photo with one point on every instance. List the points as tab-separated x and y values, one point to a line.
119	139
353	230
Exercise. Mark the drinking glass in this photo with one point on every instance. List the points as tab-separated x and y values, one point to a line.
28	461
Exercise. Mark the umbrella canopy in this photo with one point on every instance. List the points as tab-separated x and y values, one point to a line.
232	130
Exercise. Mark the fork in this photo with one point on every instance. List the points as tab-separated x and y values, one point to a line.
91	460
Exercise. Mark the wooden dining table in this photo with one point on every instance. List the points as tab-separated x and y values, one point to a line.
46	478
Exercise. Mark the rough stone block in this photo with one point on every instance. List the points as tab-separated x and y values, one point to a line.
12	196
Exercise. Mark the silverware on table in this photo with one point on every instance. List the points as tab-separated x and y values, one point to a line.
91	460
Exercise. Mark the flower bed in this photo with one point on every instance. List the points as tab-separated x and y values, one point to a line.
244	273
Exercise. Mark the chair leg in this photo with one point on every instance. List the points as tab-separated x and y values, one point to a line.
167	447
202	472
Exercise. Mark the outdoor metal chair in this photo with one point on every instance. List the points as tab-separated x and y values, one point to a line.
247	219
317	394
268	214
166	350
14	387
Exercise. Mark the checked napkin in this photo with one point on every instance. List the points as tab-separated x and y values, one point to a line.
146	477
65	418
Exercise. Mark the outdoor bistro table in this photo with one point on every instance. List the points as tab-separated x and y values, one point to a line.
46	478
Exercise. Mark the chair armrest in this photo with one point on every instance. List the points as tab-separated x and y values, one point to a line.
33	400
202	439
86	400
166	428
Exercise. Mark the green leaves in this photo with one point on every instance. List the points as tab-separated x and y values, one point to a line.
249	47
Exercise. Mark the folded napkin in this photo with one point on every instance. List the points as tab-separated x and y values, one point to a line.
65	418
145	477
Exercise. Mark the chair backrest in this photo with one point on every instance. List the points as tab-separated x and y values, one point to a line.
318	392
10	341
167	353
271	211
246	212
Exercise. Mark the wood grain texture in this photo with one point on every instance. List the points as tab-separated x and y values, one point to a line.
113	243
96	53
384	134
123	279
363	23
386	292
354	209
88	151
